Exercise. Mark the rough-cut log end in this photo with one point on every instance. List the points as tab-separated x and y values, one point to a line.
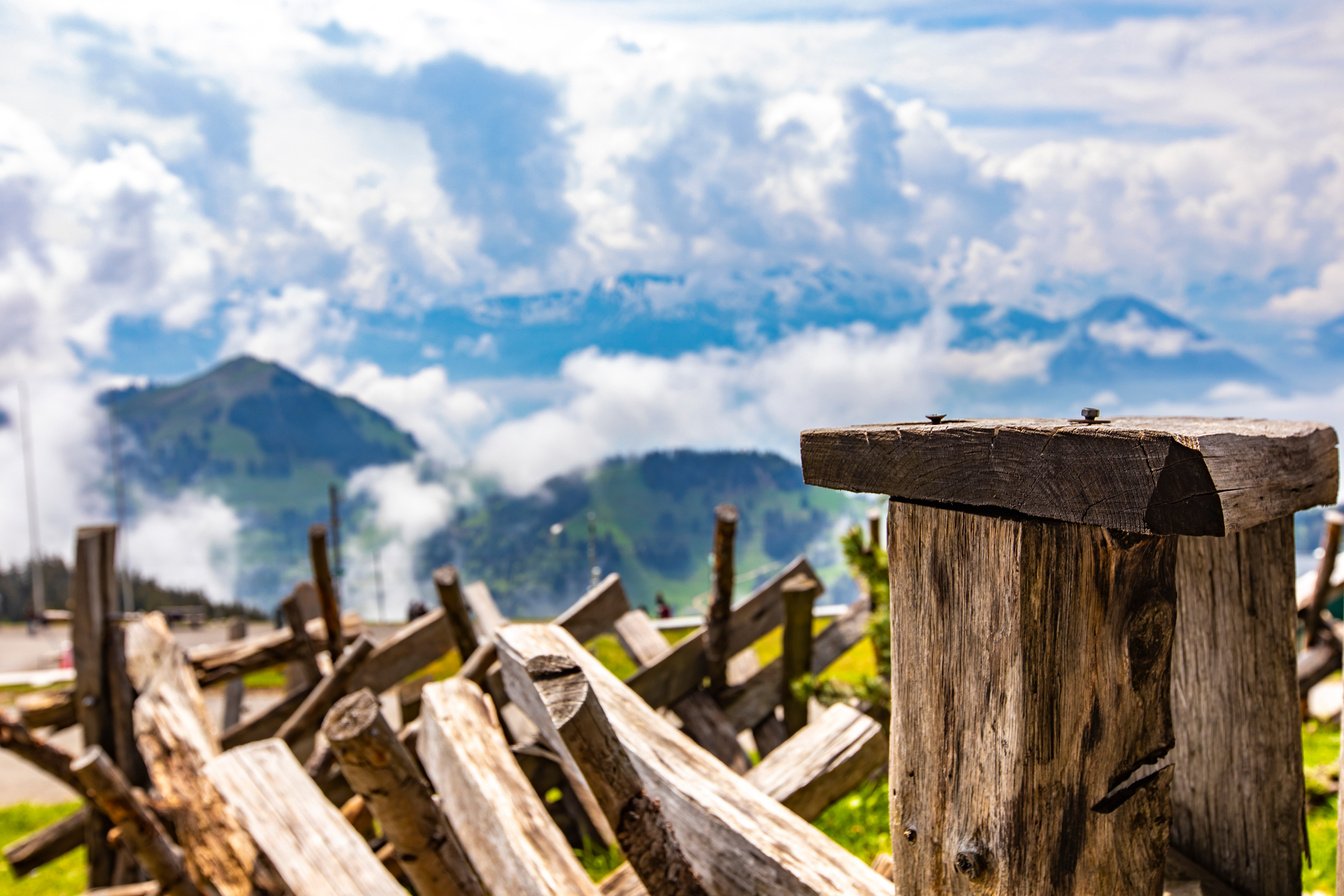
351	716
561	684
1155	476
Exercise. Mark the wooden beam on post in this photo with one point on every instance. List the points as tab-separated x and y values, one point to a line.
800	593
1061	528
449	588
504	827
140	830
720	599
737	839
380	770
326	589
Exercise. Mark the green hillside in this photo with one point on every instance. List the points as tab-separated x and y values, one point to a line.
262	438
653	523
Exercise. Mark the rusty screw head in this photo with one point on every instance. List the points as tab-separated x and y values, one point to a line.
935	418
1090	414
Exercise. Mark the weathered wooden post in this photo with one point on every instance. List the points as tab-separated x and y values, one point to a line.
1037	701
800	592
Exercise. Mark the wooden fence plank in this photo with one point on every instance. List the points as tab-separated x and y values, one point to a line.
811	770
683	667
313	849
738	839
505	829
646	838
597	611
140	830
174	735
381	771
800	593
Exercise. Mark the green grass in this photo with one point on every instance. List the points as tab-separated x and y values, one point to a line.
65	875
1320	765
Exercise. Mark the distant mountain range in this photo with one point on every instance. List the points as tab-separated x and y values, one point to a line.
263	439
269	442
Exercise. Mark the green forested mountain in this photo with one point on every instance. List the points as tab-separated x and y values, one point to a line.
269	443
262	438
653	519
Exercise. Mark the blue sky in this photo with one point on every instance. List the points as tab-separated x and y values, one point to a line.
538	233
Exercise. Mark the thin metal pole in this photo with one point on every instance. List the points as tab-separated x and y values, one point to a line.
38	583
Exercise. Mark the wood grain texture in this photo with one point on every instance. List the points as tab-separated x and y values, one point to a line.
312	847
1163	476
1237	795
646	838
822	762
597	611
720	599
808	772
505	829
92	599
329	600
737	839
796	651
139	829
681	669
174	735
388	778
1030	690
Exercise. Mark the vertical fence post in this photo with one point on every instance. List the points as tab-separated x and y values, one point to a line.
233	691
326	590
720	598
1046	735
800	592
300	606
92	599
